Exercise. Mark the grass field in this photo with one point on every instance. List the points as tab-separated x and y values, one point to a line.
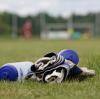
21	50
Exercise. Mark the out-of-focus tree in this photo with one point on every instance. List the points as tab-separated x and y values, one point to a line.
6	21
5	24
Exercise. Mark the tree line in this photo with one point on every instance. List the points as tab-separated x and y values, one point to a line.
6	21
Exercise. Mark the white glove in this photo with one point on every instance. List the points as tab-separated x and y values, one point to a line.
87	72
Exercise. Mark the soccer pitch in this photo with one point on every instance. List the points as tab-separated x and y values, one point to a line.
22	50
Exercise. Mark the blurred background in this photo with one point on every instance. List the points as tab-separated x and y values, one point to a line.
31	28
50	19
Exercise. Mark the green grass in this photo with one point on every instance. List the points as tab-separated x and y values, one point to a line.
22	50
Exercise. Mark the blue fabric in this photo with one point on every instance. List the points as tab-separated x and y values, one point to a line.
70	55
75	71
8	72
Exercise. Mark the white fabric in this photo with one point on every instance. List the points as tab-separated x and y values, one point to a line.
87	72
59	75
23	68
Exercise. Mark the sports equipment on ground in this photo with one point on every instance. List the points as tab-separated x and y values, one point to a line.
52	68
70	55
